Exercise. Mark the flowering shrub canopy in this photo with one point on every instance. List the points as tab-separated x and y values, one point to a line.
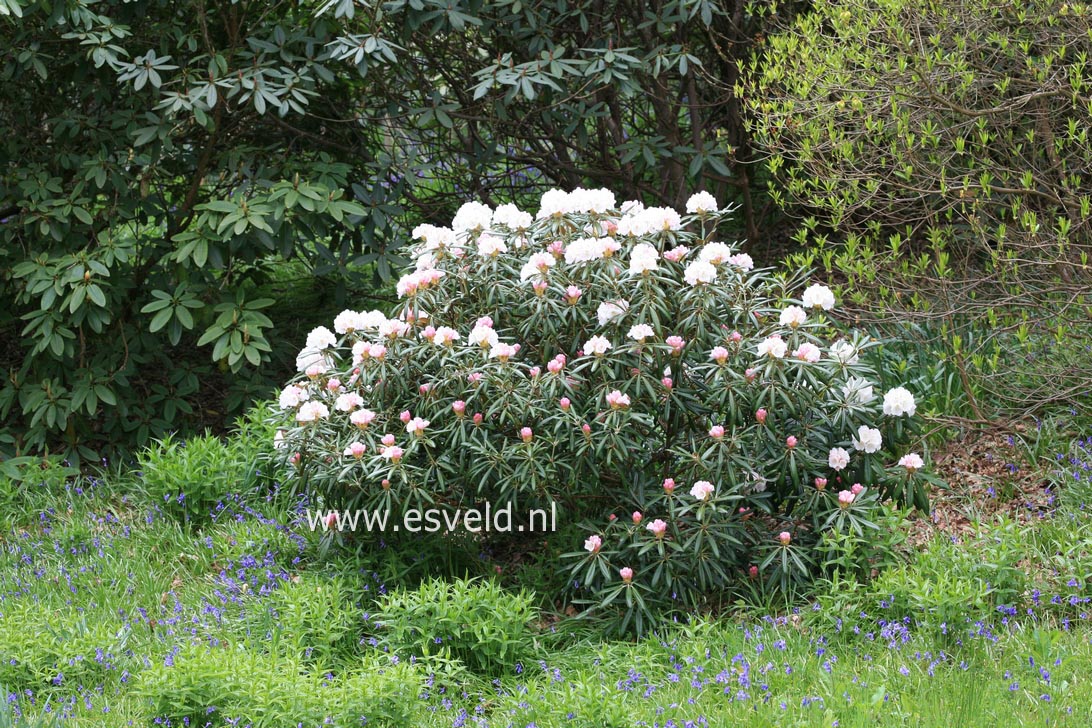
609	356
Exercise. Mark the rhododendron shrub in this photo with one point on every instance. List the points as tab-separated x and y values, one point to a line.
609	357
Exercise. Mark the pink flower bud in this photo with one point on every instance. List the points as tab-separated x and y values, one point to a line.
535	371
669	485
716	432
424	388
556	248
295	459
573	294
385	484
405	416
658	528
586	429
626	573
357	449
784	537
477	418
790	441
485	321
387	439
637	518
750	375
331	519
333	384
429	333
539	287
565	403
857	488
676	343
459	407
820	483
314	371
474	377
736	337
612	518
525	434
845	498
666	381
760	415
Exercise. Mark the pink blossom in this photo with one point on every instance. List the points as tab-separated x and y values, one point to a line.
315	370
666	381
573	294
808	352
702	490
785	538
333	384
676	343
556	249
760	415
331	519
424	388
535	371
416	426
459	407
295	459
719	354
716	432
474	377
405	416
626	573
429	333
637	518
387	439
565	403
477	418
749	375
525	434
857	488
617	400
669	485
820	483
845	498
377	351
658	528
484	322
593	543
362	418
355	449
790	441
586	428
912	461
539	287
736	337
392	453
752	571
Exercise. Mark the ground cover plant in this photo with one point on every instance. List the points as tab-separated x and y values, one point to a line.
114	612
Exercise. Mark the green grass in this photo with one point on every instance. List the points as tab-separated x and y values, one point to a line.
114	610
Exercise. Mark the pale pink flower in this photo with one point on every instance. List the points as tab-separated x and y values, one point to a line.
474	377
719	354
503	351
377	351
808	352
392	453
742	261
702	490
845	498
676	343
362	418
716	432
701	203
637	518
573	294
617	400
820	483
640	332
785	538
626	573
817	296
593	543
857	488
387	439
405	416
585	428
658	528
736	337
292	396
565	403
417	426
540	287
355	449
772	347
669	485
316	370
459	407
333	384
534	371
348	402
838	458
667	382
597	346
477	418
526	434
912	461
790	441
676	254
445	336
312	412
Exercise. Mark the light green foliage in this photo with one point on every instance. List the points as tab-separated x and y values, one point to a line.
477	623
189	477
939	156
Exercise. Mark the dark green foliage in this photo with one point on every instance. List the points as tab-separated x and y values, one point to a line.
162	158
